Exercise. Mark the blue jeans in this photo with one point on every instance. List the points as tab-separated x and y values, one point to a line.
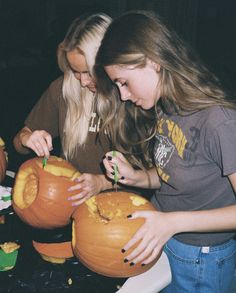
200	269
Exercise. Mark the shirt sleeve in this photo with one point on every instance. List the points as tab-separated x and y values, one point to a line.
222	146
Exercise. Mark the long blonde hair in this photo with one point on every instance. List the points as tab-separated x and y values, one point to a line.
84	34
186	85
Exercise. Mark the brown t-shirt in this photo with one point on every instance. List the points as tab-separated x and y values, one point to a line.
49	114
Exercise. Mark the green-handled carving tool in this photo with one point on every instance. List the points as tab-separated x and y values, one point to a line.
115	172
44	161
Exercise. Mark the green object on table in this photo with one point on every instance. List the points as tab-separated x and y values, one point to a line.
44	161
6	197
7	260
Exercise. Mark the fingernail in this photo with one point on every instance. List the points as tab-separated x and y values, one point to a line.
109	158
129	216
123	250
132	264
122	177
125	260
143	264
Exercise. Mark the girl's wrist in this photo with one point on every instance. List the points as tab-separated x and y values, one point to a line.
103	182
24	137
141	179
179	221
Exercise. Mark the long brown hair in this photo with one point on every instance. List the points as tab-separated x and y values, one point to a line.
186	85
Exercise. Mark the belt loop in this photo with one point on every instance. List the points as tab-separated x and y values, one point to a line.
205	249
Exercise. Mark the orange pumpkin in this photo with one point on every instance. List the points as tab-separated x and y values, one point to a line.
40	194
54	252
101	229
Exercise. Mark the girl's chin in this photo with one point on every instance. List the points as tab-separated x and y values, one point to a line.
93	90
145	106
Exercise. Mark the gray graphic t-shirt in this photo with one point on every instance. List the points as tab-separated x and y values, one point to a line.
193	155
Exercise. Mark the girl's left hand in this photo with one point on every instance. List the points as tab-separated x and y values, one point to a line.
153	235
87	186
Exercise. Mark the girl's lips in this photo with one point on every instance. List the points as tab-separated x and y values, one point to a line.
92	88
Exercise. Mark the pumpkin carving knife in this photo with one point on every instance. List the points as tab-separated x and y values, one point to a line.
115	172
44	161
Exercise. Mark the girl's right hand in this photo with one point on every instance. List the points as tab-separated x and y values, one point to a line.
40	141
126	173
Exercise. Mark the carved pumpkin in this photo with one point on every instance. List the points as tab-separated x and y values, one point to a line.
53	245
101	229
40	194
54	252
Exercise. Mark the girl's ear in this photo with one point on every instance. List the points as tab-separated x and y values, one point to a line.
155	65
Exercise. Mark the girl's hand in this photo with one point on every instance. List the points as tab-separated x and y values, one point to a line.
126	173
153	234
40	141
87	186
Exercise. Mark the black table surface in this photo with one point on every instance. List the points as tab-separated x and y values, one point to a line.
32	274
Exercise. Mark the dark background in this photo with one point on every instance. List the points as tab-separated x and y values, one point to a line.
31	29
29	33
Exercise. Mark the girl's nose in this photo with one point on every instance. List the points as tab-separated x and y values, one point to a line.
85	79
124	94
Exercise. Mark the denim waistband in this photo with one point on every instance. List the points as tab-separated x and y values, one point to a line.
203	249
219	246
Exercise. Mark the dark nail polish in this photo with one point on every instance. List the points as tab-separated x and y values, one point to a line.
123	250
143	264
125	260
122	178
109	158
132	264
129	216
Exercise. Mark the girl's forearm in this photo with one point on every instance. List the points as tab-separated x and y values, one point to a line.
104	182
215	220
